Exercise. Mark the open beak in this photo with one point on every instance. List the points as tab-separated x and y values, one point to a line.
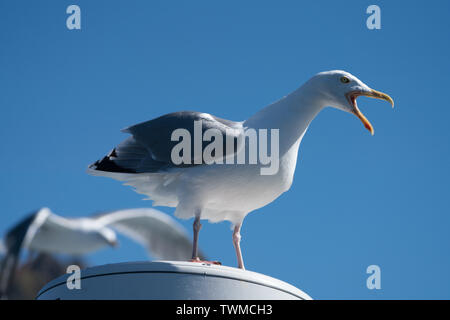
351	96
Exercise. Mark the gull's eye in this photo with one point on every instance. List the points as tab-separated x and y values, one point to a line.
345	80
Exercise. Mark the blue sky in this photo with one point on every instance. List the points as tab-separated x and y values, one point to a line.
356	200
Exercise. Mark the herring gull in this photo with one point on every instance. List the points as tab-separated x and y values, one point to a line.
221	189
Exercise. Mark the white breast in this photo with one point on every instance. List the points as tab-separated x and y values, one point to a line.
229	192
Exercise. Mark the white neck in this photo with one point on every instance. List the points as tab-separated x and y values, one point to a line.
291	115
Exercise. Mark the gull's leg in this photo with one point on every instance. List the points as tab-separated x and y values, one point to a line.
237	245
197	226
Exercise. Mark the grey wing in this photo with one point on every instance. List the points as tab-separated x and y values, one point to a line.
163	237
22	234
150	146
2	248
17	238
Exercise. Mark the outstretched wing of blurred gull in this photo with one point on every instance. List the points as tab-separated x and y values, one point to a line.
13	243
163	237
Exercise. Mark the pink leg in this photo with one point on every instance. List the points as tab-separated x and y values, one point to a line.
237	246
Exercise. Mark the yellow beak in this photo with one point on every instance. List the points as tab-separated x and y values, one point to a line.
372	94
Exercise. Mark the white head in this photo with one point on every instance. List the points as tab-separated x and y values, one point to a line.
109	236
339	89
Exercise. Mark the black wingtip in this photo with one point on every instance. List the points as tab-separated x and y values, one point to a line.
107	164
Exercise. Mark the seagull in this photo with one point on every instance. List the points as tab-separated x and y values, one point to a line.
225	190
46	232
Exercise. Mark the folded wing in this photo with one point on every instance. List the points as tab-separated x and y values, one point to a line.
150	146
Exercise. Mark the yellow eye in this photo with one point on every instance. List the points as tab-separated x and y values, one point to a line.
345	80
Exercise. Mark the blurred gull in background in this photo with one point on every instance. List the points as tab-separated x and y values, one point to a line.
44	231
